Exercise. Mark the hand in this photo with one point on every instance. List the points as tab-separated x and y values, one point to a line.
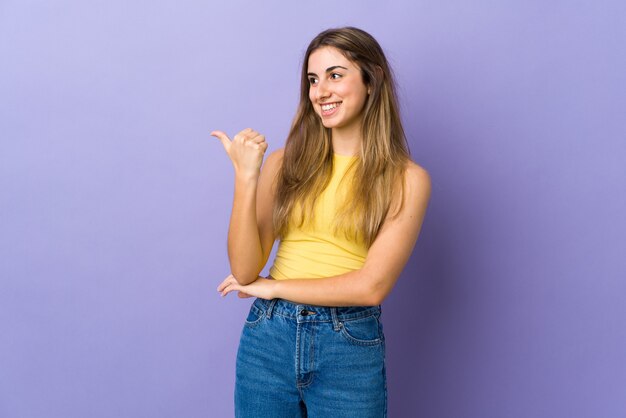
261	288
246	151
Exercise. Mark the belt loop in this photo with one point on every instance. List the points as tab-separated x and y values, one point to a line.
270	308
336	323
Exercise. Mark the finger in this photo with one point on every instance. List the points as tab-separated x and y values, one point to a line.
224	290
225	282
261	147
258	139
222	285
224	139
253	145
239	138
256	144
228	285
245	134
230	288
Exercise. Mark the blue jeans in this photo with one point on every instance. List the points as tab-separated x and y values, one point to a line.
311	361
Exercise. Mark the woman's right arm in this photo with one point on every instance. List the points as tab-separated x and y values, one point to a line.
251	232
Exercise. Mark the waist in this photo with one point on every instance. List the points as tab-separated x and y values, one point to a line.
306	259
313	313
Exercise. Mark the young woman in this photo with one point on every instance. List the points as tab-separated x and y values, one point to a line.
346	203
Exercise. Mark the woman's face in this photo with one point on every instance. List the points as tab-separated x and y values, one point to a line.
336	88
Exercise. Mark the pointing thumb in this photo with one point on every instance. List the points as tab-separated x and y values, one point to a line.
224	139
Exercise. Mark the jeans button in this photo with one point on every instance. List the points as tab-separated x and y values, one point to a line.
304	312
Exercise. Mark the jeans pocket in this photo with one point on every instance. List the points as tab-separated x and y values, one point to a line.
255	315
362	331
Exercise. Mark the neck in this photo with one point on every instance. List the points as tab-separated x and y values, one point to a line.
347	141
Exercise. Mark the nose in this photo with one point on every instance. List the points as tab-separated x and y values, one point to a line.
321	92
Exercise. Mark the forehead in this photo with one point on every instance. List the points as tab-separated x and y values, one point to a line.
325	57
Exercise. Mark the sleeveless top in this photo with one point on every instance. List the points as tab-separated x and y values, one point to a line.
315	250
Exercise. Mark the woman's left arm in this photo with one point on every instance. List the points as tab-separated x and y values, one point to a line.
369	285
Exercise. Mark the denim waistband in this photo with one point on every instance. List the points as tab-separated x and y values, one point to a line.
313	313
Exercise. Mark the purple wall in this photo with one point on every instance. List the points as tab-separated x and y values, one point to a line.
114	201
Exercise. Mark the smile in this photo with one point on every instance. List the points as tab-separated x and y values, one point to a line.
329	108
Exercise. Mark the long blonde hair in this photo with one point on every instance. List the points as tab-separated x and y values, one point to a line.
308	157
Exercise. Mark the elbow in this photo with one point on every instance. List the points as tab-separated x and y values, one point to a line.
374	299
244	277
374	295
244	271
376	288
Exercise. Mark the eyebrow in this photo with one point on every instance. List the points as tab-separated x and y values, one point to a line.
329	69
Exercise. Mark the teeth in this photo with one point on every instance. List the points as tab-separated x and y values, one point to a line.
330	106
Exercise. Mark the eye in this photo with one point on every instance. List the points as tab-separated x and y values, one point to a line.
312	81
335	76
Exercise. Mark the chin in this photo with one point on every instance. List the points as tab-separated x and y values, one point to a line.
328	123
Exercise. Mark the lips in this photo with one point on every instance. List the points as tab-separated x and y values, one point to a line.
328	109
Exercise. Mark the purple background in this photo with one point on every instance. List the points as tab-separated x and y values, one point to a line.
114	201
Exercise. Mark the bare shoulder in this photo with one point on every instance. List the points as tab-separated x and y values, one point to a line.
417	180
276	155
274	160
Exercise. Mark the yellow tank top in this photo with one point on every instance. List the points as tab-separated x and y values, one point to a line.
315	250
